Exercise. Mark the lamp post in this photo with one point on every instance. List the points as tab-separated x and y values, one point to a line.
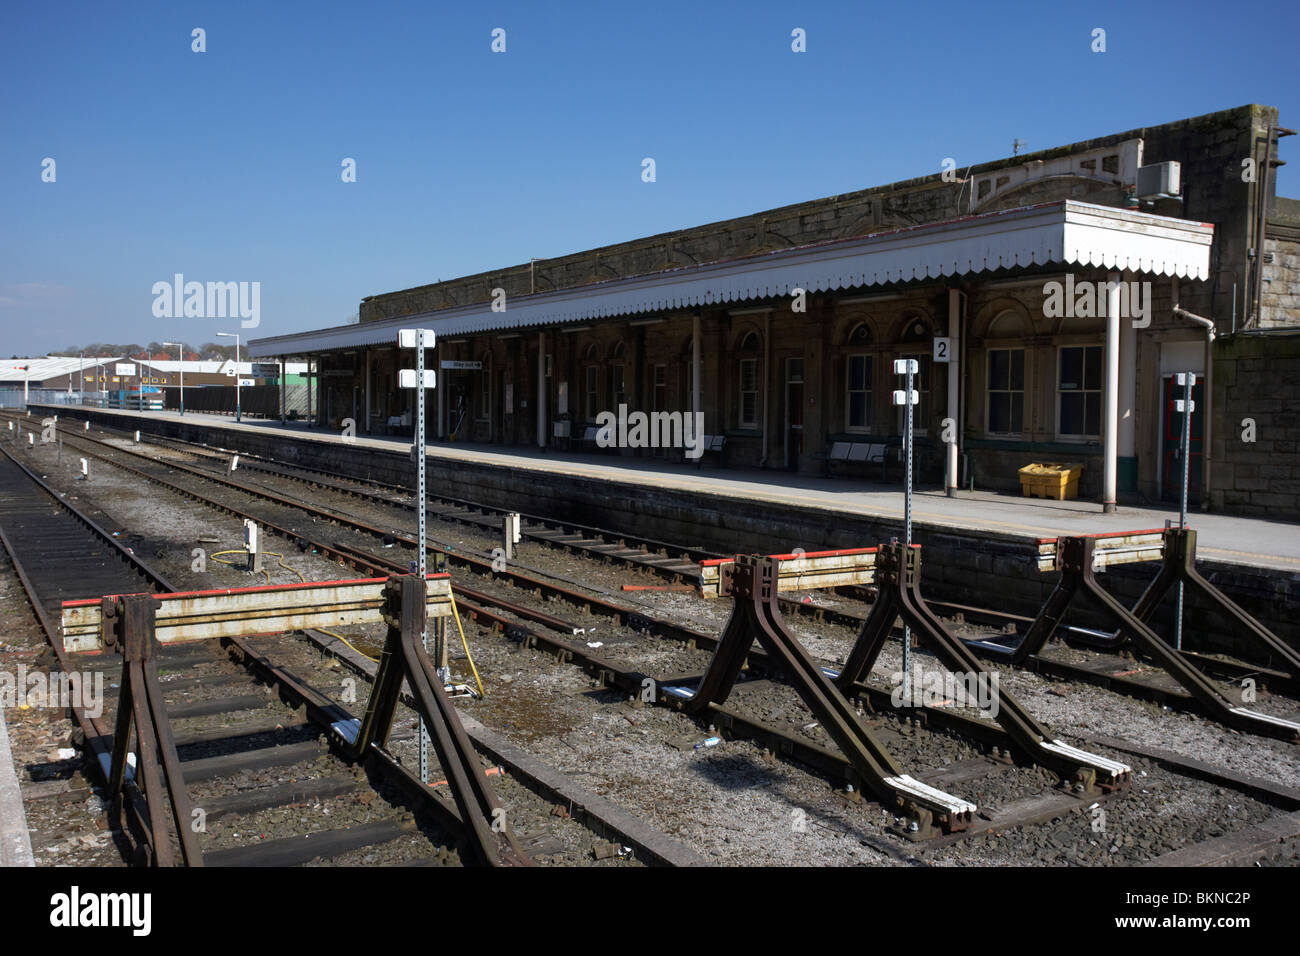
81	378
180	355
235	336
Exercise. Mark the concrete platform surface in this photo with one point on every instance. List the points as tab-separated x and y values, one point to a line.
1258	542
15	840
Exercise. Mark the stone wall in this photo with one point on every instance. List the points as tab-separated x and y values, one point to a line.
1256	380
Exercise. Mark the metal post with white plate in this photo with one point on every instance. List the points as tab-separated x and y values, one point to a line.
420	379
910	398
1186	406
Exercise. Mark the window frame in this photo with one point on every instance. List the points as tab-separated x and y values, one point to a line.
990	390
869	366
755	392
1099	390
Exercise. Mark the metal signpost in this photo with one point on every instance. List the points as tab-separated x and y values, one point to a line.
908	398
420	379
1186	406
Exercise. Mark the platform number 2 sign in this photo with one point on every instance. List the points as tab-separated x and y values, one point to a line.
942	349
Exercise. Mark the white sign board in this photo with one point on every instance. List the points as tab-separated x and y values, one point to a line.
244	382
462	366
407	378
410	338
124	368
942	349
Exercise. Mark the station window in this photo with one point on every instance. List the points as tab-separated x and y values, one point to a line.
747	378
485	389
1006	391
857	397
660	388
617	394
1079	392
749	393
592	402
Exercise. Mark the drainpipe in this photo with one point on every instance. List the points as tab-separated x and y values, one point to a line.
1208	398
1261	213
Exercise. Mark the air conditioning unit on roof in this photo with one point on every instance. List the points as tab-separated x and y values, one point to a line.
1160	181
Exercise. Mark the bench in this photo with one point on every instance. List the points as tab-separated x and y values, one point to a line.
853	452
712	444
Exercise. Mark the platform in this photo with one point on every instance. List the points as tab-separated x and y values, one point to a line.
15	840
1228	539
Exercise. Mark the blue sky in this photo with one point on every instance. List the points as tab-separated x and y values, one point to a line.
225	165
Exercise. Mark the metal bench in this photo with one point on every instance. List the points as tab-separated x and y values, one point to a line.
712	444
854	452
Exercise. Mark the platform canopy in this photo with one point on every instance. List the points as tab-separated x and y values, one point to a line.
1062	232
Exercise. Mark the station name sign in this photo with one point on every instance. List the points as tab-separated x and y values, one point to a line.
462	366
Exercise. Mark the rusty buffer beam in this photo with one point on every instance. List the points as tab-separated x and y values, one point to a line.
802	571
238	612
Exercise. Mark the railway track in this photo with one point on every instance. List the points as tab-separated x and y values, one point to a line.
1113	671
735	722
257	743
608	671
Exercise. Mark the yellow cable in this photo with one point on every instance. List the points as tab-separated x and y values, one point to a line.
340	637
274	554
214	557
465	644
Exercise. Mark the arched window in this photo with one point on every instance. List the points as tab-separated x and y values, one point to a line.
747	377
617	377
591	383
916	344
858	368
1006	374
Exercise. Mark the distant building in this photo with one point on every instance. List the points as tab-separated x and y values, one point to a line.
1003	281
